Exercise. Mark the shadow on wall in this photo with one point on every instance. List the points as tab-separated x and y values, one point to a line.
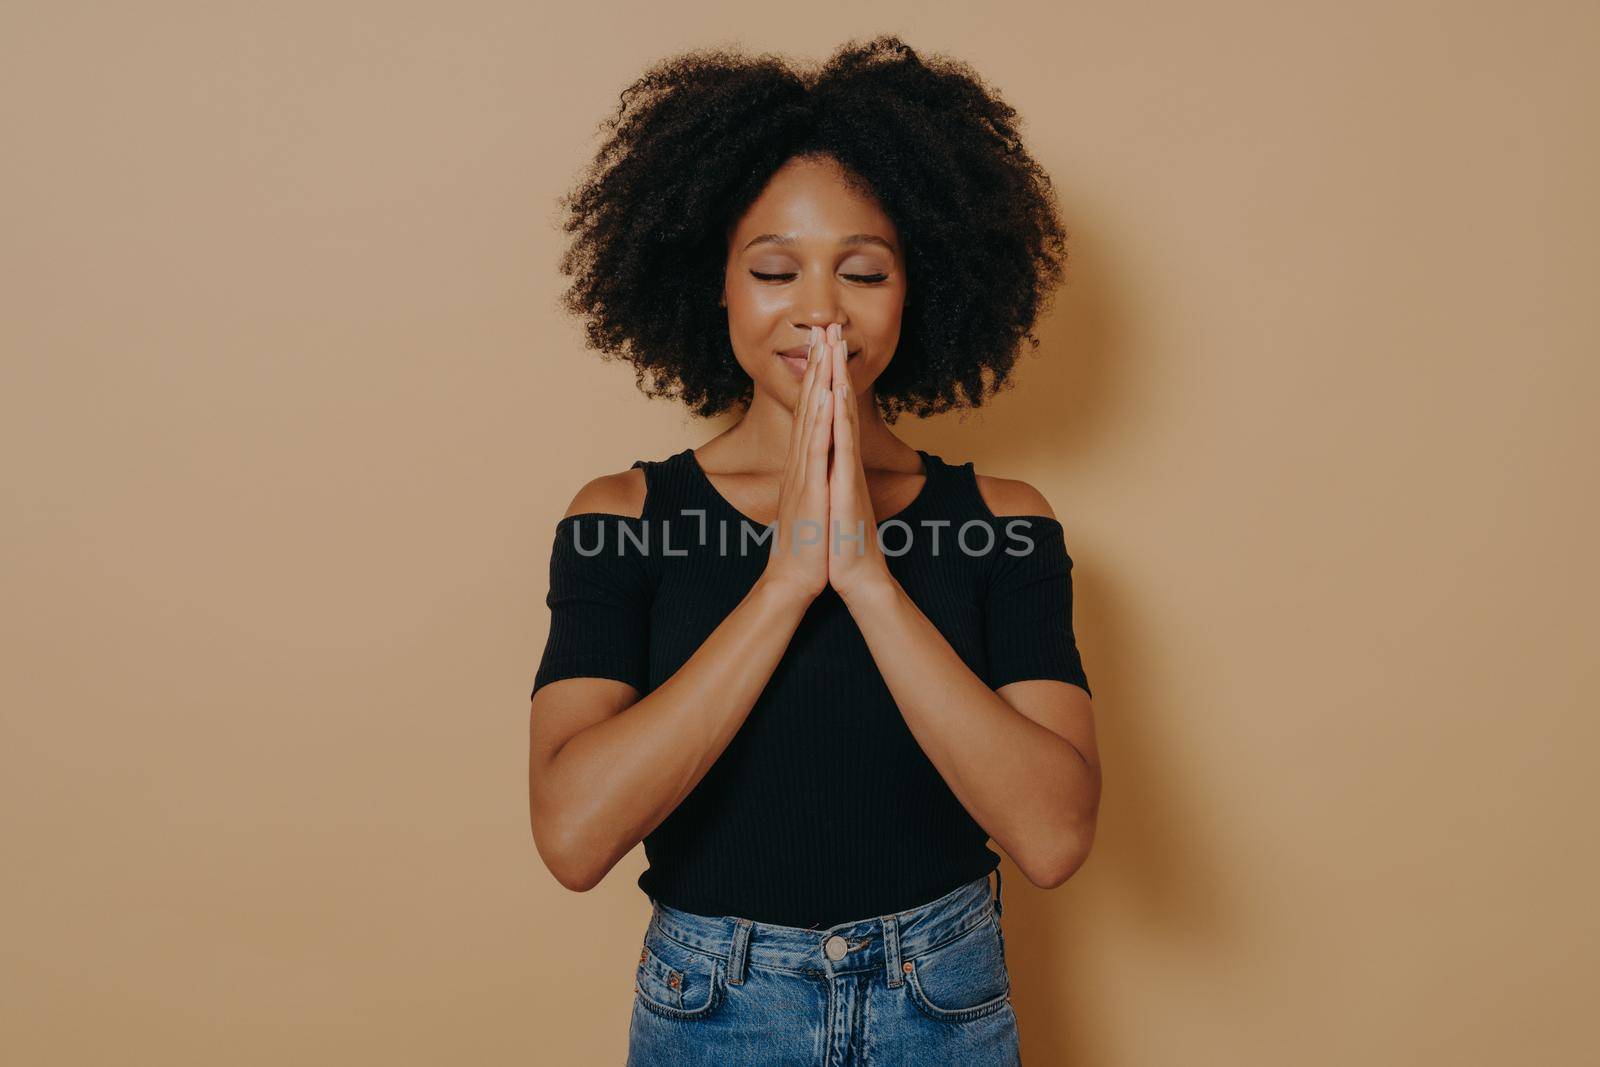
1149	865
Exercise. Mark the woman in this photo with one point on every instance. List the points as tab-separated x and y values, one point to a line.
815	736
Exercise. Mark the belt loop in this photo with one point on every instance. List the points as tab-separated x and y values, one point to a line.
997	890
739	953
891	949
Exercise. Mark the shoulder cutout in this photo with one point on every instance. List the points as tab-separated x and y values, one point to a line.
612	494
1011	496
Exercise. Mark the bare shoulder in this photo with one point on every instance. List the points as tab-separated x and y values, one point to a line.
1012	496
621	493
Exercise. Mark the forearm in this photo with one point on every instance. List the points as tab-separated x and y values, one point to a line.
613	783
1029	787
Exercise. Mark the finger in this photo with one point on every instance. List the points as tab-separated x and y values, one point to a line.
819	438
845	382
848	481
792	491
818	413
855	404
815	491
825	359
835	337
808	417
809	379
841	367
820	384
841	370
802	410
846	457
843	397
843	443
811	367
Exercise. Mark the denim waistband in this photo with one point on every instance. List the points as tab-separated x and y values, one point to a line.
881	943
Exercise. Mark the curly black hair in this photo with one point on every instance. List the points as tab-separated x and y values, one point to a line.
696	139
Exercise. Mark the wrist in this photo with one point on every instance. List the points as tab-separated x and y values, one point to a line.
870	592
784	592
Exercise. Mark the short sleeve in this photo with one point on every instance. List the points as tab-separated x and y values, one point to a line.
1028	604
599	604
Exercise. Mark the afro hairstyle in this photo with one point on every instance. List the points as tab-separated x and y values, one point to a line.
697	137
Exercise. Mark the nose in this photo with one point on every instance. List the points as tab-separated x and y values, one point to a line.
803	328
817	304
821	322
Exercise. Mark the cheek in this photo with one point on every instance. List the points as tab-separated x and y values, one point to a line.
753	312
881	326
752	322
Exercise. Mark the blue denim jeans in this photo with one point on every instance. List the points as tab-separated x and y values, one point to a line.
928	986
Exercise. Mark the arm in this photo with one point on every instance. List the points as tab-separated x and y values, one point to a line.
606	767
1021	759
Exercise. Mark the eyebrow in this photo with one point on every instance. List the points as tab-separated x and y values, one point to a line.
789	239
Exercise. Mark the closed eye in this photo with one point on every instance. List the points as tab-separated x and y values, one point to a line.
868	279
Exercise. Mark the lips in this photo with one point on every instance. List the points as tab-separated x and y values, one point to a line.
800	352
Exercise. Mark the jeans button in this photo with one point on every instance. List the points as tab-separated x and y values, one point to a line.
835	947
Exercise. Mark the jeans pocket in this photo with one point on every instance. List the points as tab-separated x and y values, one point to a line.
964	978
676	981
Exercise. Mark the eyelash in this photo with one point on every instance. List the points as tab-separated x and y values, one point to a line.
868	279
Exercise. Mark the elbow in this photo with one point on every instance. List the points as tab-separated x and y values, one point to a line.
1052	870
1055	873
569	854
576	868
1064	854
577	877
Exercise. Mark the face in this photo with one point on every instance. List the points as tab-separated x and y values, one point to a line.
812	251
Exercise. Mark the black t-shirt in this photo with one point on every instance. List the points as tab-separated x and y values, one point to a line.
823	809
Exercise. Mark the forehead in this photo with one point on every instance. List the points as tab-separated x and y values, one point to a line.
812	202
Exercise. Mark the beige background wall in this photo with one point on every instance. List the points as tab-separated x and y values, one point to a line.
288	416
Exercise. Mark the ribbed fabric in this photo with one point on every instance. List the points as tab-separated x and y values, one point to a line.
823	809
